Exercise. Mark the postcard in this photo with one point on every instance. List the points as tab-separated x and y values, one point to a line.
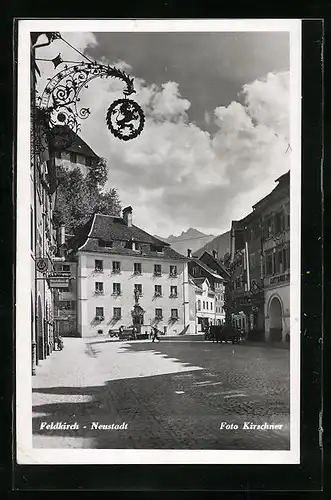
158	241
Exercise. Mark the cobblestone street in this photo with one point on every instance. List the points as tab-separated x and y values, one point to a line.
165	395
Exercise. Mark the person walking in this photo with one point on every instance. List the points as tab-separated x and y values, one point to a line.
154	334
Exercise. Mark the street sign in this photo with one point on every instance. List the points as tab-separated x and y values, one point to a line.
58	282
42	264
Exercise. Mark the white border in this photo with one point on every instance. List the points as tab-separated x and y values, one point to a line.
25	452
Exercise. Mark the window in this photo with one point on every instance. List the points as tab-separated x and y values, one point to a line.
279	222
158	290
105	243
173	271
117	313
158	313
174	313
99	287
137	268
173	291
99	313
138	288
211	306
203	305
156	248
157	270
88	161
116	288
269	264
98	266
199	305
116	267
66	268
73	158
207	306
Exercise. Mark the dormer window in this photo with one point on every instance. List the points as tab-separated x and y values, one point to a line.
157	248
105	244
132	245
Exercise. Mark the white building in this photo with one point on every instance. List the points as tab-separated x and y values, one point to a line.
198	271
205	304
115	261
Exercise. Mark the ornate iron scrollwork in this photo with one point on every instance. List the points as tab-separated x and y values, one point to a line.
60	103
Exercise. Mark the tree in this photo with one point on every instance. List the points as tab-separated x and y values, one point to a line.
79	197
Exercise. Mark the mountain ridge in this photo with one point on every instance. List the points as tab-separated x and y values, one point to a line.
190	239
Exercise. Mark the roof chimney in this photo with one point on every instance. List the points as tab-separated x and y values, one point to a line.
189	253
215	254
127	216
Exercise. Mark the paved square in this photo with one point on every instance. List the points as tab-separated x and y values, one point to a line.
99	393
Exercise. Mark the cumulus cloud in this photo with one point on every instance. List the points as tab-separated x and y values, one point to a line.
176	175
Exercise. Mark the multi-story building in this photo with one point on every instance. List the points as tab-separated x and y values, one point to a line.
42	242
259	266
204	300
127	277
77	154
65	301
198	269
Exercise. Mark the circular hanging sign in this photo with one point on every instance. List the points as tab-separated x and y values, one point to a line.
125	119
42	265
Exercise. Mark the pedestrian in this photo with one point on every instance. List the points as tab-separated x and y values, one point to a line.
154	334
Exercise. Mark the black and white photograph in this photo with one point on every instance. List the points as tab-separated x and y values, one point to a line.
158	241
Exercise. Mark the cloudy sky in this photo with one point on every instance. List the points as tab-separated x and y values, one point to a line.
216	134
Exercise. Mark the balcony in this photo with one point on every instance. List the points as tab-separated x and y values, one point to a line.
173	296
116	294
99	292
157	273
116	271
137	273
174	318
99	318
98	270
117	317
158	294
158	318
173	275
280	278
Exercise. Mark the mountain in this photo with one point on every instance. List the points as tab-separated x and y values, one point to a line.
192	239
221	244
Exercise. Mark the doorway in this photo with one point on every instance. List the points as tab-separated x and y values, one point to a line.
275	320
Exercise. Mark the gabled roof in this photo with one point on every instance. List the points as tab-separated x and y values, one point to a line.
204	266
217	262
200	281
283	181
80	147
114	229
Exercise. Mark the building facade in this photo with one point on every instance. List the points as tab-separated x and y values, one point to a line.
78	154
199	270
259	289
42	242
127	277
204	299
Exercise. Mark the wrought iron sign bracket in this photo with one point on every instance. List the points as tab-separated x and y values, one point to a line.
61	113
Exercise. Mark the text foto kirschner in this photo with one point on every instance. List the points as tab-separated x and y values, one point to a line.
65	426
250	426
